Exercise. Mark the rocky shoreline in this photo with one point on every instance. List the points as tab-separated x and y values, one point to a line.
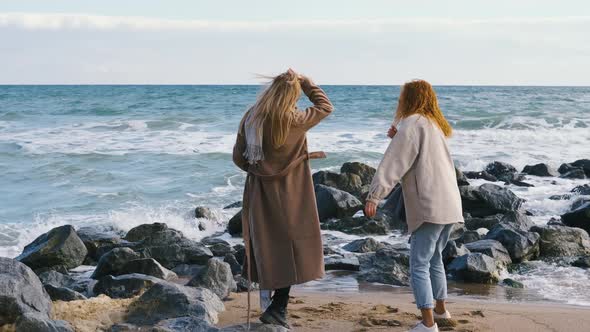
174	283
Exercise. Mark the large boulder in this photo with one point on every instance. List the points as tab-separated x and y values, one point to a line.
204	212
358	225
60	247
583	164
480	175
34	322
395	210
167	300
255	327
364	171
99	241
562	241
335	203
582	189
474	267
575	173
582	262
518	220
579	217
491	248
63	293
488	222
185	324
147	266
522	245
112	261
168	246
539	170
453	250
349	182
216	276
234	225
21	292
363	245
488	199
386	266
502	171
124	286
339	262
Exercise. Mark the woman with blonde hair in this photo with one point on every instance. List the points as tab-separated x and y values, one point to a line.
280	222
419	157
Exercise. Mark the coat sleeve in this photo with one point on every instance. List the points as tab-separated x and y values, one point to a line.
238	153
322	107
397	160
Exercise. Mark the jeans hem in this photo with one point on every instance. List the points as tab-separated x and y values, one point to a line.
426	306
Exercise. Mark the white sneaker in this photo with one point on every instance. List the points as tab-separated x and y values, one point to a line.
422	328
446	315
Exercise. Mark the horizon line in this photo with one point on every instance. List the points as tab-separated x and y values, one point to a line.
262	84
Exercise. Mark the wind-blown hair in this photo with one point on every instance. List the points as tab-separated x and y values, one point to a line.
418	97
276	105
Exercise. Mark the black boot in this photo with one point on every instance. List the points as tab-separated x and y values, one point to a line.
276	313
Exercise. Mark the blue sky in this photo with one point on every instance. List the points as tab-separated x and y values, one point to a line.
337	42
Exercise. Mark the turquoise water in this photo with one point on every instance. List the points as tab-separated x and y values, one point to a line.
135	154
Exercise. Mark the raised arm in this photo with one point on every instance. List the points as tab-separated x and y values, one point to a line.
397	160
322	107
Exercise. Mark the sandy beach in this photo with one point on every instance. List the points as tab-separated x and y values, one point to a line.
383	311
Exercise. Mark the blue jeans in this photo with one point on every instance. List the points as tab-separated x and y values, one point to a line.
427	272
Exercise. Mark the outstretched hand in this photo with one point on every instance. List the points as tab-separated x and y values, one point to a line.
370	209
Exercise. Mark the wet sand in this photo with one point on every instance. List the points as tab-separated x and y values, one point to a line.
383	311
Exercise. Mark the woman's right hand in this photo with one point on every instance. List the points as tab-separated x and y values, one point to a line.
392	131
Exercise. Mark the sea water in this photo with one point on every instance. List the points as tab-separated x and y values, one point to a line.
128	155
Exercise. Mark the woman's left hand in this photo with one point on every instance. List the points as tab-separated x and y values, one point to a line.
370	209
392	131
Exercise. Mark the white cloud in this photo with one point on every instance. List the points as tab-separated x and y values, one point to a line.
85	21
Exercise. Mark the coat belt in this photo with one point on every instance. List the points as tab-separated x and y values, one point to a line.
286	170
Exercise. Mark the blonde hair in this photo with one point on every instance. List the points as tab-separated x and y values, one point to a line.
418	97
276	104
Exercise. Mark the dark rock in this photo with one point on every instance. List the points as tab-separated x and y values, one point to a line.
234	225
184	324
21	292
461	178
386	266
583	262
327	178
488	199
364	171
566	167
99	241
521	245
474	267
539	170
220	249
349	182
518	220
469	236
255	327
60	246
363	245
453	250
144	231
519	183
242	283
358	225
480	175
188	270
147	266
457	232
576	173
240	253
491	248
512	283
502	171
579	217
582	190
56	279
113	260
124	286
34	322
579	203
166	300
63	293
555	222
395	210
217	276
334	203
213	240
339	262
474	223
234	205
584	164
204	212
560	197
236	268
562	241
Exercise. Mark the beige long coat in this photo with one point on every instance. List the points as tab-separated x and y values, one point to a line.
419	157
279	217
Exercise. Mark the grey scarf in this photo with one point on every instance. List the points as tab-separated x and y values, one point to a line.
254	131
